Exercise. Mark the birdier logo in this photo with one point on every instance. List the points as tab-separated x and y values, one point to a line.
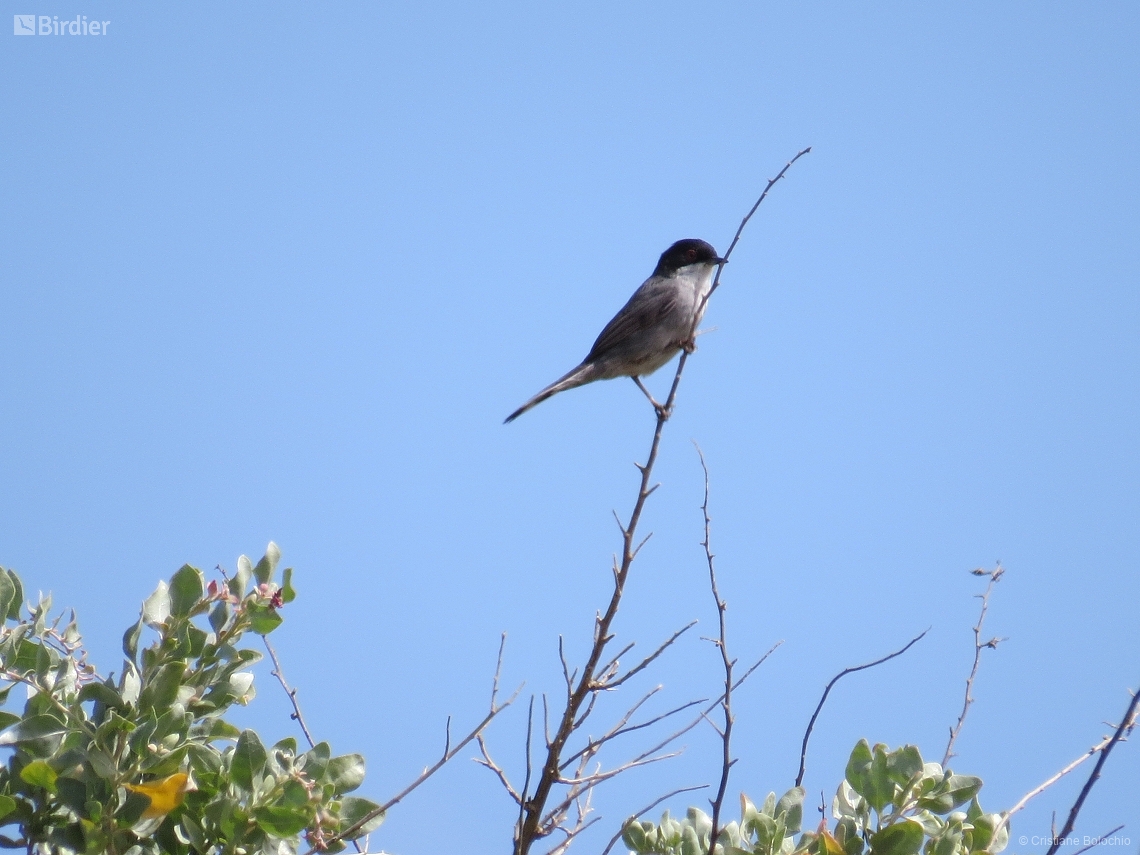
51	25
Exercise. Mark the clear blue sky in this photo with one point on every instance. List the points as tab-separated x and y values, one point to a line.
278	271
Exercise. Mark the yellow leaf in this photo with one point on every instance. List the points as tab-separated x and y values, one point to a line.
165	795
829	844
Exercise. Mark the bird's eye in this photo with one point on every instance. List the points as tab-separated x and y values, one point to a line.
692	253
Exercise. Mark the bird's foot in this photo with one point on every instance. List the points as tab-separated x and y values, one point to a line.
662	411
689	345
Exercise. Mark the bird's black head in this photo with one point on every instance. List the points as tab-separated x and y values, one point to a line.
686	252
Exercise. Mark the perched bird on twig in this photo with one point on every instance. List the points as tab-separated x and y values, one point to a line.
658	321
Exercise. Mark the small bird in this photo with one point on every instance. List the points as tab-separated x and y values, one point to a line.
658	321
165	795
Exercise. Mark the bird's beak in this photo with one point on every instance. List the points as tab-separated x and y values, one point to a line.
722	261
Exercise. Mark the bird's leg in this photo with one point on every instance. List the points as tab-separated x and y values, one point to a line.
688	345
662	413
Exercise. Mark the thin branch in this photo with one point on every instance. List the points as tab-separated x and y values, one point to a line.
722	645
291	692
647	809
612	665
496	768
620	730
449	753
834	680
1126	724
530	827
995	575
1126	727
1099	840
613	684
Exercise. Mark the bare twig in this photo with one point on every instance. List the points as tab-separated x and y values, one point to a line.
1099	840
496	768
613	684
532	826
994	576
291	692
834	680
1125	728
1126	724
448	754
650	807
722	645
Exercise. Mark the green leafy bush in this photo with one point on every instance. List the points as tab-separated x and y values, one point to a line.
146	763
890	803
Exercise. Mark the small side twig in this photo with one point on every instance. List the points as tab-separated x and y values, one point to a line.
289	690
1125	728
449	753
651	806
995	576
1099	840
721	643
1126	724
834	680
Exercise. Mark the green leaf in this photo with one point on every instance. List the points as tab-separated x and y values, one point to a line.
7	805
7	719
161	689
633	835
156	607
858	771
962	788
315	761
131	640
353	809
263	619
287	592
34	727
902	838
294	794
101	693
220	615
904	765
7	593
17	597
71	792
792	802
130	684
263	572
102	764
248	761
241	578
346	773
281	821
186	588
39	774
880	787
194	833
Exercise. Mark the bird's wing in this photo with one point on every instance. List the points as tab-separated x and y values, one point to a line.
646	308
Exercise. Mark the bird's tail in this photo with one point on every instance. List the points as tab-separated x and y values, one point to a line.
580	376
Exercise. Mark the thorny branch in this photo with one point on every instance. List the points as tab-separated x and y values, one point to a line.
291	692
449	752
1126	724
995	575
722	645
834	680
1121	732
591	681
